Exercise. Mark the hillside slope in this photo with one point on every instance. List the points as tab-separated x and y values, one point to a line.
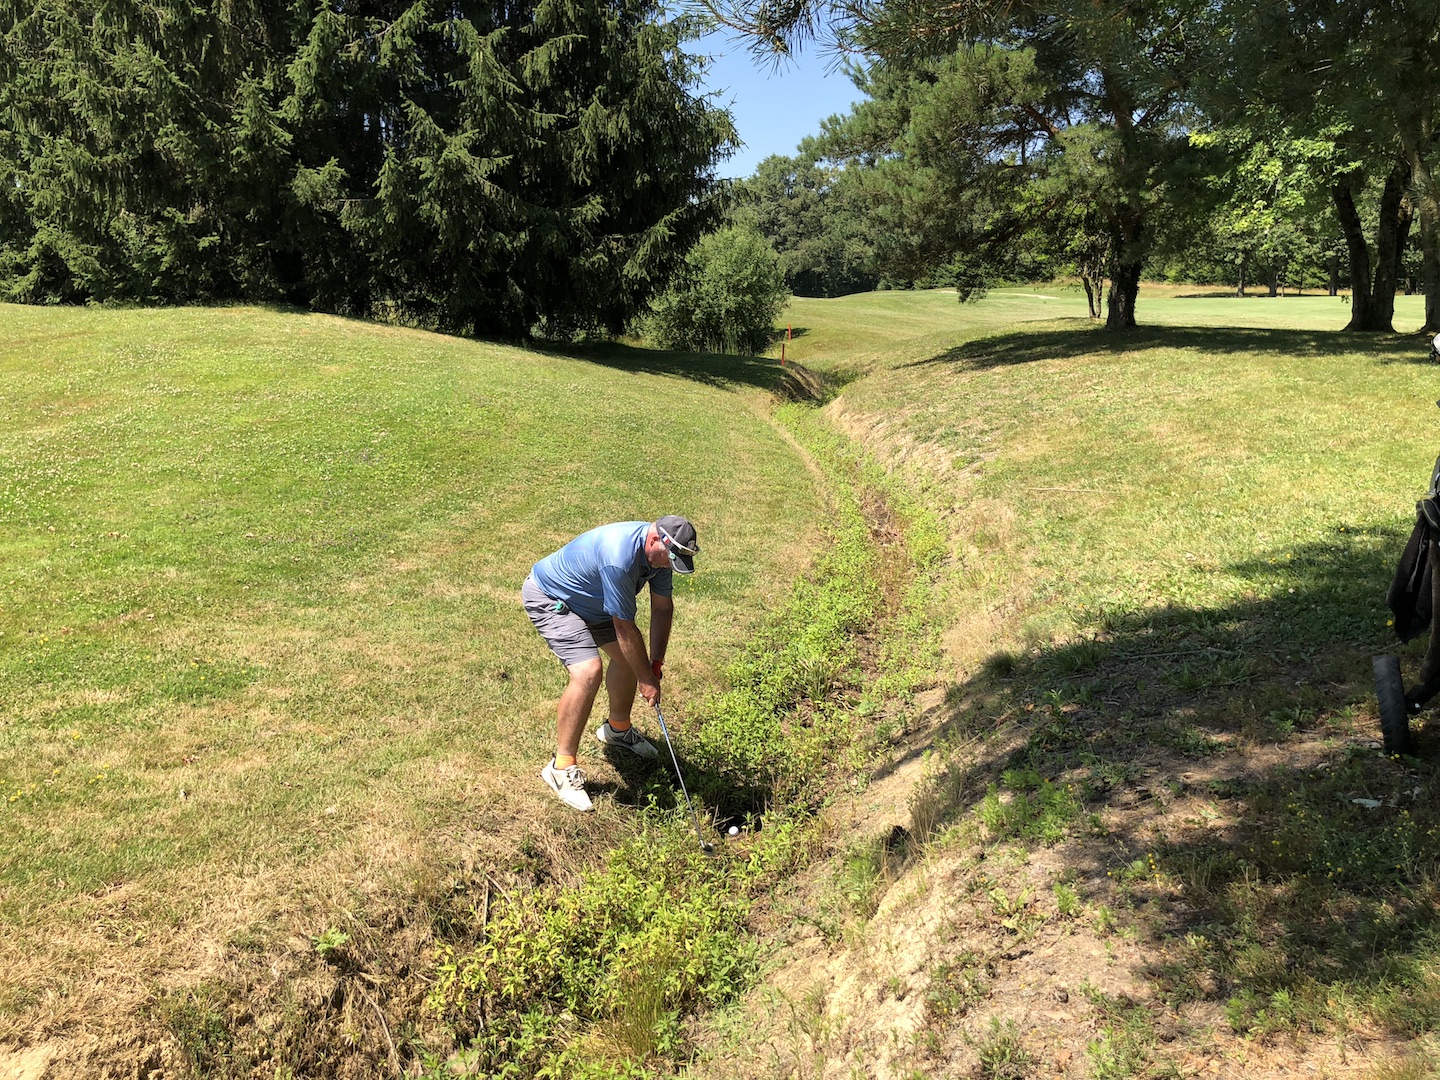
265	683
1142	826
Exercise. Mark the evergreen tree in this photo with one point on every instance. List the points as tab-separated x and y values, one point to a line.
1090	101
486	167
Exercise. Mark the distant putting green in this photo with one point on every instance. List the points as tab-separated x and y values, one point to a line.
260	639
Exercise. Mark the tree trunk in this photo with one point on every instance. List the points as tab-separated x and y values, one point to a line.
1128	258
1428	208
1372	304
1274	280
1430	263
1334	274
1124	290
1390	233
1359	251
1240	288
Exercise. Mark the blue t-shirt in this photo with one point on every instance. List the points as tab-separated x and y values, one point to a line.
599	573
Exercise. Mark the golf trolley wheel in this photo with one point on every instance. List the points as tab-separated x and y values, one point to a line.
1394	714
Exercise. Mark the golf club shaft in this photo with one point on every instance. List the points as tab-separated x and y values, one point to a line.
676	762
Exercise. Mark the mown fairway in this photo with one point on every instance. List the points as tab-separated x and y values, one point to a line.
1160	837
264	679
261	653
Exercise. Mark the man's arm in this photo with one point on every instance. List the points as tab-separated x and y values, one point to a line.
662	614
632	647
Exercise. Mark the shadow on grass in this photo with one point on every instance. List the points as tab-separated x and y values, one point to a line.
1231	801
1084	339
710	369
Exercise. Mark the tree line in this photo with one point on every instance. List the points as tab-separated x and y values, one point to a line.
1275	143
491	167
510	167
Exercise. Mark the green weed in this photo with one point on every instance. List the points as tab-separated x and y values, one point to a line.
1067	901
1025	807
331	943
956	986
1002	1055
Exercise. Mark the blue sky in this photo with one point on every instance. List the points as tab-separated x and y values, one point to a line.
774	108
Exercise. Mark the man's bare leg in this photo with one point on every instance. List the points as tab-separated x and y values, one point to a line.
573	712
619	687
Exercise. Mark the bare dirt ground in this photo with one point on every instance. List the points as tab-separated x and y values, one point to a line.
968	969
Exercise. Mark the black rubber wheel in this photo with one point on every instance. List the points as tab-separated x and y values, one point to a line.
1394	715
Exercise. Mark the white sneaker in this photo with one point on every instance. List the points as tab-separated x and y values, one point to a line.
629	739
569	784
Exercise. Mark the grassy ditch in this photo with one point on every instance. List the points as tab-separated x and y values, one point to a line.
598	979
263	670
1157	794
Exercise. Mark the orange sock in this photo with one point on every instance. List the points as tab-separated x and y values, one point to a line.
564	761
621	725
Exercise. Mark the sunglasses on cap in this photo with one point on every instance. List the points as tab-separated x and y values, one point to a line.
671	542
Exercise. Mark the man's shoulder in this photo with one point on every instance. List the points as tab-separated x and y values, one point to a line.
619	540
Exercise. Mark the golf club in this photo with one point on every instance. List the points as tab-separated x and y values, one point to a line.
707	848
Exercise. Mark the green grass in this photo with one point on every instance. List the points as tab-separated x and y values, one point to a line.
1167	561
261	662
259	628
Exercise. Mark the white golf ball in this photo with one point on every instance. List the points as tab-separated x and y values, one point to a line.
734	830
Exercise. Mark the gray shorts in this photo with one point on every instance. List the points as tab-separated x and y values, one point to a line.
569	636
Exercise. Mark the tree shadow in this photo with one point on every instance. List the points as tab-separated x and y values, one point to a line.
1083	339
725	372
1230	791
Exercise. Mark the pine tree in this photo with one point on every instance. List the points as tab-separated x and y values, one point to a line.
484	167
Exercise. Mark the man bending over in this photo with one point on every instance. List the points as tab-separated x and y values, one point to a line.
582	601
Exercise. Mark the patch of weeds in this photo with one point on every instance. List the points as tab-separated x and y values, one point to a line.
1350	825
1107	773
1188	678
1126	1042
1067	901
196	1020
1002	1055
1417	1063
1077	658
782	721
331	944
1249	1012
1056	731
1136	872
641	1023
1001	665
1410	1006
1189	741
1104	920
1203	870
861	878
1016	913
928	807
1285	722
661	913
955	987
1023	806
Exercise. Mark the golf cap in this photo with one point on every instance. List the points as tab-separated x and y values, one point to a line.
679	538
